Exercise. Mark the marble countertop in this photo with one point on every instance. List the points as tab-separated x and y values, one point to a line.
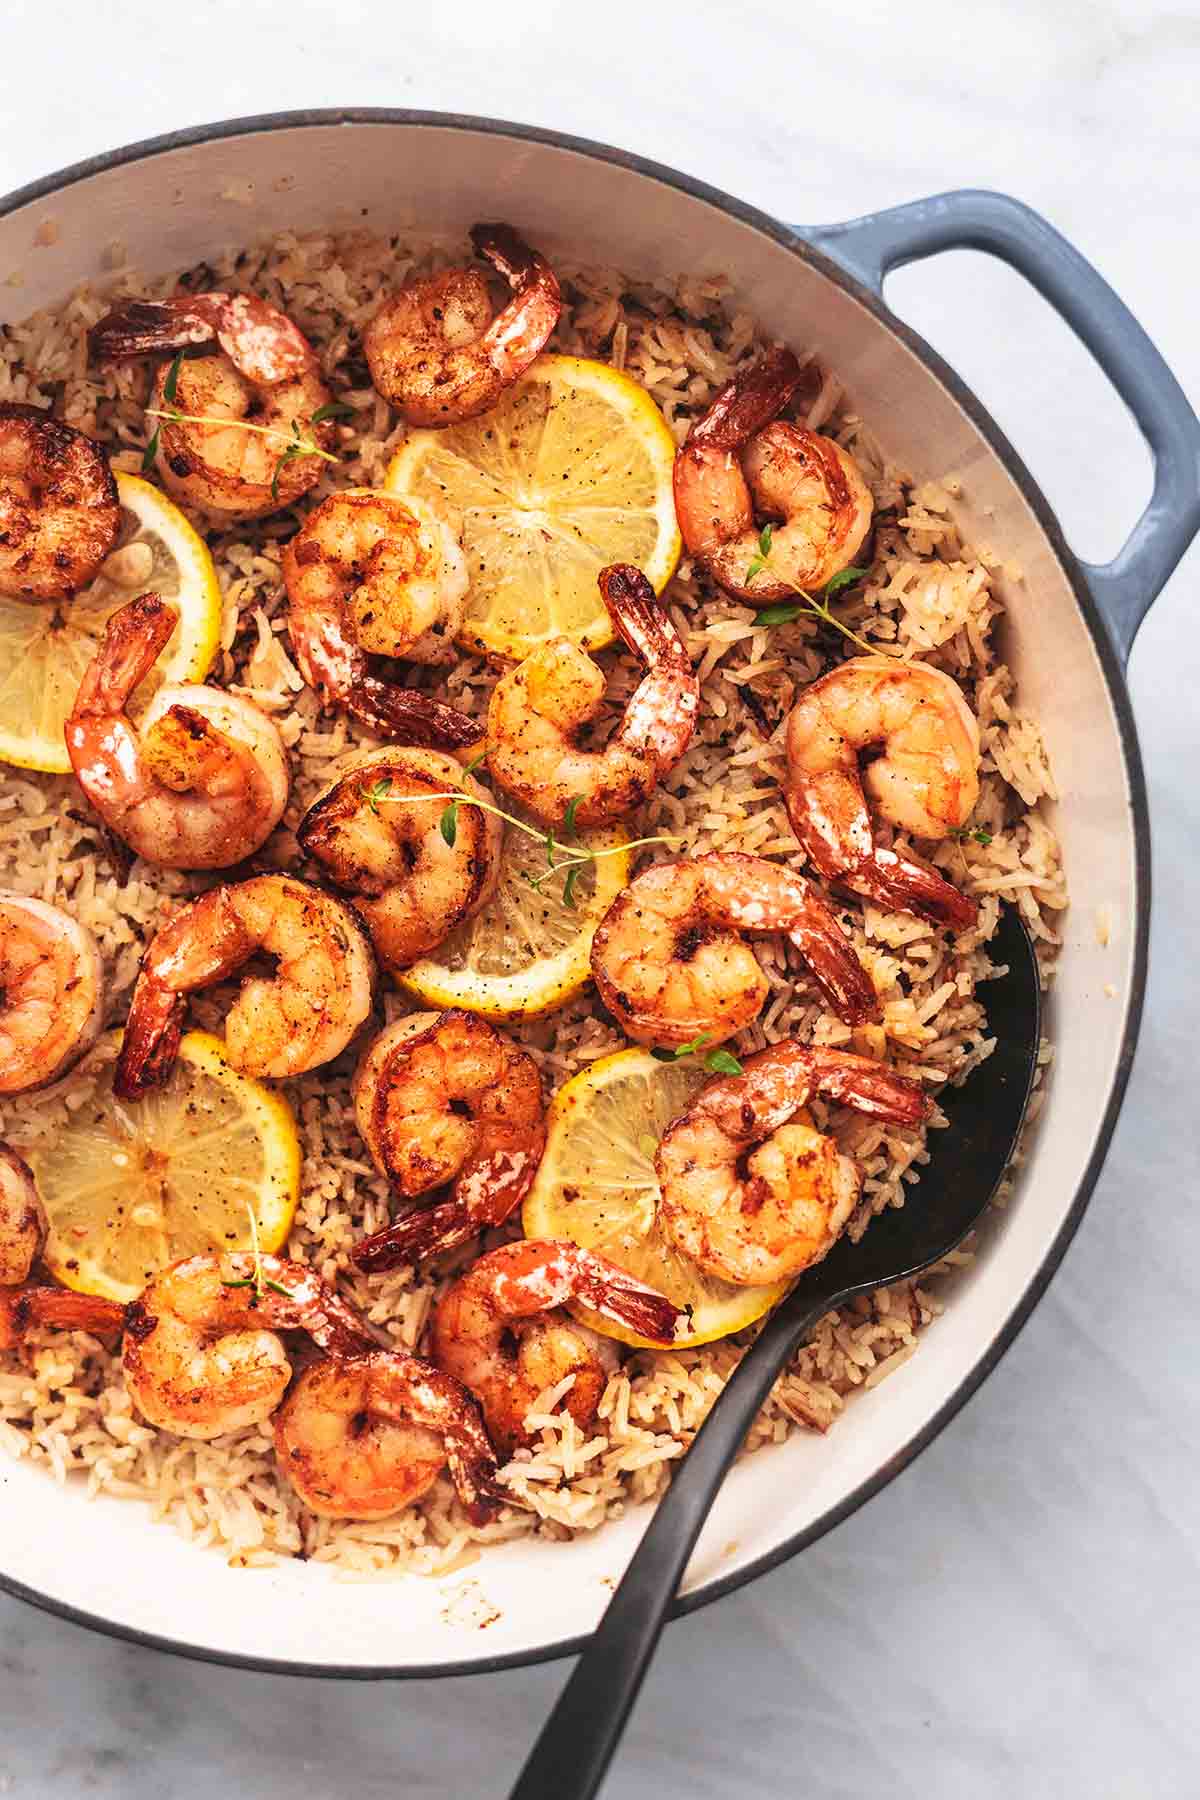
1017	1613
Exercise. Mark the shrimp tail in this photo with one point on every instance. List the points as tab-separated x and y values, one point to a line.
638	615
626	1301
869	1087
902	882
834	964
405	716
472	1463
519	330
24	1309
151	1043
427	1231
144	327
134	638
507	252
748	402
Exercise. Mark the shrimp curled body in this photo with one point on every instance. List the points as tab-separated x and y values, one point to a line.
258	369
202	1351
22	1219
278	1026
444	1100
537	711
741	463
205	781
500	1330
670	959
59	513
925	781
751	1193
361	1437
378	833
435	351
369	575
51	992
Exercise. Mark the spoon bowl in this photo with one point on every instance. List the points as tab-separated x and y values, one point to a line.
967	1164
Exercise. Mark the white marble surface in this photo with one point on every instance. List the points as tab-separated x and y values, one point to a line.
1017	1613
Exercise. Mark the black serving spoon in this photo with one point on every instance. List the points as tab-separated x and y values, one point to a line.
577	1742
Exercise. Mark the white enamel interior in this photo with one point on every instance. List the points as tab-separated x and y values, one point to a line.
173	209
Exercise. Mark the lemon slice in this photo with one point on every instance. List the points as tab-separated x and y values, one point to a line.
569	471
597	1187
46	646
527	951
131	1187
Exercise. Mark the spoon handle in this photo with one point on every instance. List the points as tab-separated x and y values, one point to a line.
578	1739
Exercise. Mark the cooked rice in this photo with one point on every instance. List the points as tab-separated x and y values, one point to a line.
62	1399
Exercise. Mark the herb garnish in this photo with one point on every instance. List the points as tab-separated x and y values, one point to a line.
717	1062
295	442
574	858
815	606
259	1280
978	834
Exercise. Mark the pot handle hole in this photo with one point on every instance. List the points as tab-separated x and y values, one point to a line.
869	248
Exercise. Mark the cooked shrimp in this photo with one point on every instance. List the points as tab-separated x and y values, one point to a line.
22	1219
444	1100
537	711
500	1331
670	961
377	833
37	1306
436	352
205	781
751	1193
361	1438
302	1016
924	781
59	512
737	466
388	572
51	992
261	372
369	575
202	1352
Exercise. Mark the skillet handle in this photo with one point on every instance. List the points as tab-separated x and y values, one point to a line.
975	219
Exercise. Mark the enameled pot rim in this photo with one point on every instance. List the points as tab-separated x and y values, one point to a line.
1114	679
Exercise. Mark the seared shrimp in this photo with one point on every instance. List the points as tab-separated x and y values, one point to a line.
202	1349
302	1016
261	372
737	466
389	573
537	711
444	1100
377	833
36	1306
59	512
751	1193
205	781
369	575
670	961
925	780
500	1331
22	1219
361	1438
435	351
51	992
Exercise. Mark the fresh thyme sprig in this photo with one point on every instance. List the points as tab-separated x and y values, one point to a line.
578	855
295	442
717	1062
816	606
259	1280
